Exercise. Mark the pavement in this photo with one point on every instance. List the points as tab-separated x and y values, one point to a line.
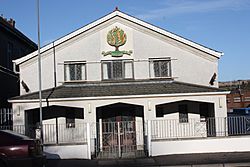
234	159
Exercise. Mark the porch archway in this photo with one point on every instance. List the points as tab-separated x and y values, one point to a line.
120	131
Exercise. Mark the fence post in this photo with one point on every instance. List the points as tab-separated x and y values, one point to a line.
149	137
88	141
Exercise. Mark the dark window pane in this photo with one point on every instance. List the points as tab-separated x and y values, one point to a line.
183	113
109	68
164	69
78	72
70	119
72	71
156	69
159	111
117	69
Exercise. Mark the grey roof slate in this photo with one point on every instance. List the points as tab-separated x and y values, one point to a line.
97	89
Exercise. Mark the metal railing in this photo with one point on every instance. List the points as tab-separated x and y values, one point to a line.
197	128
62	134
6	116
160	129
52	133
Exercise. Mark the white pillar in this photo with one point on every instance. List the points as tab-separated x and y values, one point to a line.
149	138
100	132
88	141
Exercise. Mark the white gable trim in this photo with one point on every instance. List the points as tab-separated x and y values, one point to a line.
127	17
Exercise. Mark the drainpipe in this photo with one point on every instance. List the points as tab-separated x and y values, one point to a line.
54	55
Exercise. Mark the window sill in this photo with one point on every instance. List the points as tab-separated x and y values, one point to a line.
75	81
122	79
155	78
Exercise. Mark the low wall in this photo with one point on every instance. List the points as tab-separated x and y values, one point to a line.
207	145
66	152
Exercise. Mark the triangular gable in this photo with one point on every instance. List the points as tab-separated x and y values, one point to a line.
117	13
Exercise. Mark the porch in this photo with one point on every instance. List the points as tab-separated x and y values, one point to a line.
159	137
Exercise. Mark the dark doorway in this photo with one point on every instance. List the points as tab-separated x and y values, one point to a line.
118	130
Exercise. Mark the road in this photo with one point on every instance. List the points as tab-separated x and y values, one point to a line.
191	160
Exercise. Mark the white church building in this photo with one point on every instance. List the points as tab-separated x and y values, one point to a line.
120	87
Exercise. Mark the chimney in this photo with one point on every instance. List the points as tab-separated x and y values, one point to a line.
12	22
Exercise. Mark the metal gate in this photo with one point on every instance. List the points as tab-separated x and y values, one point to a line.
124	139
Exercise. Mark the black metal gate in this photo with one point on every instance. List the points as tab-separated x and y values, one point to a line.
121	139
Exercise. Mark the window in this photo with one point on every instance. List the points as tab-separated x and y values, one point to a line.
237	99
204	109
160	68
117	69
247	98
183	113
159	111
70	119
75	71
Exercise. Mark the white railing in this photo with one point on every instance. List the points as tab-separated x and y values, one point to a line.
160	129
53	134
62	134
197	128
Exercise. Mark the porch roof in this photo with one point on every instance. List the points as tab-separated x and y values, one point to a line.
120	88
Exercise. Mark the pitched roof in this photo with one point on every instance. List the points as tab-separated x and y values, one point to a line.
18	34
104	89
120	14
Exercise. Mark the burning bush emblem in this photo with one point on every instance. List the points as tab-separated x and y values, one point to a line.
116	38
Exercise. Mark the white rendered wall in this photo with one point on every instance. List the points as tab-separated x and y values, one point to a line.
205	145
187	64
66	152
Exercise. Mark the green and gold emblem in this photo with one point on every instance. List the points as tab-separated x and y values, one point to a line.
116	37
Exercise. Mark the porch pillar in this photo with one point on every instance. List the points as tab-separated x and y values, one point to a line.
220	109
88	141
149	144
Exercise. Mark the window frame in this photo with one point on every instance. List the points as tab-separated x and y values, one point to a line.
123	69
152	60
75	63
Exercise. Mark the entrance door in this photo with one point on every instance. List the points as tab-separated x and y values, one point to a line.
119	135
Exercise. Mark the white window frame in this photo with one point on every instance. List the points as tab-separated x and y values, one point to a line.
68	63
151	71
123	61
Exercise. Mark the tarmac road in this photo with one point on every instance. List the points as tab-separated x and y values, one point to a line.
234	159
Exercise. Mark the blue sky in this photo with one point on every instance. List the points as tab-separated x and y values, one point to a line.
223	25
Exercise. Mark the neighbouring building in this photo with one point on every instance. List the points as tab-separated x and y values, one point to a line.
239	97
13	45
120	87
